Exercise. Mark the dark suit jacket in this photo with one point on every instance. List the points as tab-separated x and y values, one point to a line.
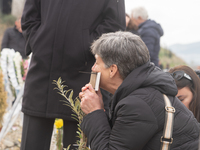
137	115
59	34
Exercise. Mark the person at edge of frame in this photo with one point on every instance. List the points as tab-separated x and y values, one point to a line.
59	34
137	108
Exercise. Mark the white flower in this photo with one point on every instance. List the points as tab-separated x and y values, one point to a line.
4	67
11	70
17	62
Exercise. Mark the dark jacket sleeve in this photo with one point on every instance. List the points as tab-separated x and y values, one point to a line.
134	126
31	20
149	39
113	19
5	41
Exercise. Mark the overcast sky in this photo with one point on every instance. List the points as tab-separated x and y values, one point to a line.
180	19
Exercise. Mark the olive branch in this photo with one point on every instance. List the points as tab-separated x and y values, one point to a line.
78	114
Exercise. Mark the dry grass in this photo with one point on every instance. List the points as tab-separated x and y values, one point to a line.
3	97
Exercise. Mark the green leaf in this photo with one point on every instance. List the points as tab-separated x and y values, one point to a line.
67	147
76	109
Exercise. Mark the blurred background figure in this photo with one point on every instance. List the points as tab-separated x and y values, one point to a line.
60	41
130	26
149	31
166	69
5	6
14	39
160	65
188	84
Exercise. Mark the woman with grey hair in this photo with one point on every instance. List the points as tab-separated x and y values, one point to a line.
137	108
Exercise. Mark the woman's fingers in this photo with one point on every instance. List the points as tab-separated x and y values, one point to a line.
90	99
81	95
88	87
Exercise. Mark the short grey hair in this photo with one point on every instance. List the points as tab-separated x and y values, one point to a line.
139	12
124	49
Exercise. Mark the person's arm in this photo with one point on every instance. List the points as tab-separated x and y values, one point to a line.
114	19
150	42
31	20
134	126
5	40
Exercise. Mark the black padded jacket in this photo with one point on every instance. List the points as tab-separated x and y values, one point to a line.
137	115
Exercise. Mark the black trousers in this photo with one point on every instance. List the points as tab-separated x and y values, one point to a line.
37	133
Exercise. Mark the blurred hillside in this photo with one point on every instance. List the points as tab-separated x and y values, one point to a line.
189	52
168	57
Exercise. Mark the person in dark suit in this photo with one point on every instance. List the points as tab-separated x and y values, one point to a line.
59	34
14	39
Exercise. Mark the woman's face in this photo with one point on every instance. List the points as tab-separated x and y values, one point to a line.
185	96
